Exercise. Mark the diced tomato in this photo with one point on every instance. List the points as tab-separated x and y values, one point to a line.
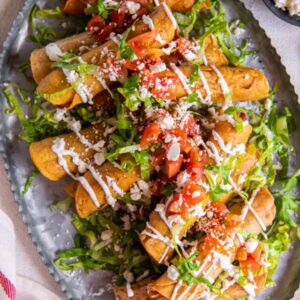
141	65
156	188
165	87
178	206
173	167
183	45
158	158
104	33
182	136
218	209
196	162
241	254
142	42
257	252
210	243
193	193
250	264
95	24
190	126
118	17
150	134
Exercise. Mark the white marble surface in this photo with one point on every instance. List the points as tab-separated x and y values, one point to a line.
285	37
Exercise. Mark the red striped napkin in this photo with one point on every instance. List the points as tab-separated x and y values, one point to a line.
7	258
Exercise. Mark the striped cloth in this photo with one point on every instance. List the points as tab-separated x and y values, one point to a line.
7	258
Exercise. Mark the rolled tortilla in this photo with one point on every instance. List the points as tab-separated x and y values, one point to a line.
233	292
45	160
243	84
56	88
213	52
157	248
77	44
165	286
184	6
237	292
123	180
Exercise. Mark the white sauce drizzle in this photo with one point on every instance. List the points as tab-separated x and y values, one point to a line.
224	86
170	15
110	199
206	87
58	148
111	182
192	296
186	290
81	89
248	206
181	77
162	258
103	83
130	292
157	235
176	290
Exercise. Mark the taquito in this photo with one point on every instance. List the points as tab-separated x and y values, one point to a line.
78	44
45	159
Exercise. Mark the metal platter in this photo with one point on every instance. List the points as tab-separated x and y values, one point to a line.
52	230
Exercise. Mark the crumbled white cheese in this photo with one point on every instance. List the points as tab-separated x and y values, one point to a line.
158	67
251	245
148	21
106	235
173	152
53	52
182	179
132	7
99	158
173	273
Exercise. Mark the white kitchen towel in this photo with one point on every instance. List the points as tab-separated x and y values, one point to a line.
7	258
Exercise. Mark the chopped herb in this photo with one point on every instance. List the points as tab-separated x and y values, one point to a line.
62	205
125	50
29	181
168	189
186	266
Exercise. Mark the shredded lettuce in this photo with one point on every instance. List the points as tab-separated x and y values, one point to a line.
41	123
107	240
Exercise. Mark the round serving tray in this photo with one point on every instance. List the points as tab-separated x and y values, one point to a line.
52	231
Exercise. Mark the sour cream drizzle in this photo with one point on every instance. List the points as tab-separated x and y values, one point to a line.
248	206
176	290
224	86
110	199
205	86
181	77
58	148
170	15
114	186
